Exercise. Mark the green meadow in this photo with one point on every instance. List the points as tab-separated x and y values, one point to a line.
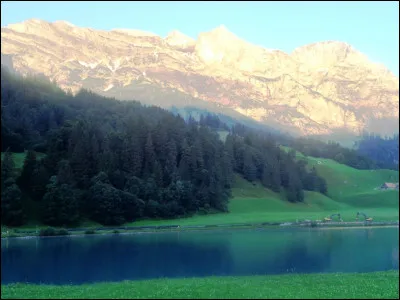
377	285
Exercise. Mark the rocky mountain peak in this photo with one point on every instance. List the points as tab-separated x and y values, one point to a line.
327	53
220	46
29	26
177	38
221	30
219	35
316	89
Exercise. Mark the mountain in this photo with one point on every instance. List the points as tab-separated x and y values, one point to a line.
318	89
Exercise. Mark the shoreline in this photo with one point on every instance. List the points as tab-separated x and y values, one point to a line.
176	228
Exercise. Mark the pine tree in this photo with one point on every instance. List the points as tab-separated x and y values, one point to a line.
128	154
149	157
12	213
322	186
158	174
80	163
152	209
60	204
7	168
132	206
249	169
310	180
274	173
40	178
294	190
229	148
138	157
107	160
196	161
94	155
266	178
170	169
184	163
25	179
227	168
105	201
276	179
133	185
65	174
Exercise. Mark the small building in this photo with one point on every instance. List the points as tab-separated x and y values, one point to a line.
389	186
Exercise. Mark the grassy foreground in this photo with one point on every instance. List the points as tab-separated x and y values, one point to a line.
377	285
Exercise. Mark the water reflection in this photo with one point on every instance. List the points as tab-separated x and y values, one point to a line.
77	260
395	256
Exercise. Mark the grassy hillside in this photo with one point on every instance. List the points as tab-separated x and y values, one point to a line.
348	182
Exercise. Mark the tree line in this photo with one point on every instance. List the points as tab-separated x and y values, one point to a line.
332	150
384	151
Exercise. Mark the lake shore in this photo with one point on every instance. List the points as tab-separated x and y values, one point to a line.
16	233
375	285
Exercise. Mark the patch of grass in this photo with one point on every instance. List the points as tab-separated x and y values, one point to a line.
374	199
223	134
20	157
377	285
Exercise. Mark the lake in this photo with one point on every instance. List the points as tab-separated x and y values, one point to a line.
95	258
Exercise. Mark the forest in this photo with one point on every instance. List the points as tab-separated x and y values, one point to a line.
384	151
114	162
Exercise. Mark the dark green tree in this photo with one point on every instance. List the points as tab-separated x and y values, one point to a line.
184	163
170	170
7	168
249	169
60	204
12	213
294	192
149	157
105	201
65	174
132	206
40	179
25	179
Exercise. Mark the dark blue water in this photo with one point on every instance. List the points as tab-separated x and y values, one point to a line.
84	259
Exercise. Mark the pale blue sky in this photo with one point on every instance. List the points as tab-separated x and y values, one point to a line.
370	27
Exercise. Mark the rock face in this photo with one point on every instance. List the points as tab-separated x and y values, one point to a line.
316	89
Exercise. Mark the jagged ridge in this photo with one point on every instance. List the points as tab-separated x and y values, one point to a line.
316	89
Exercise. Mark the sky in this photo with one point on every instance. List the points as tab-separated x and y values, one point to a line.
370	27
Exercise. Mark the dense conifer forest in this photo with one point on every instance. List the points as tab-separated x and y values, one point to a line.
116	161
384	151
